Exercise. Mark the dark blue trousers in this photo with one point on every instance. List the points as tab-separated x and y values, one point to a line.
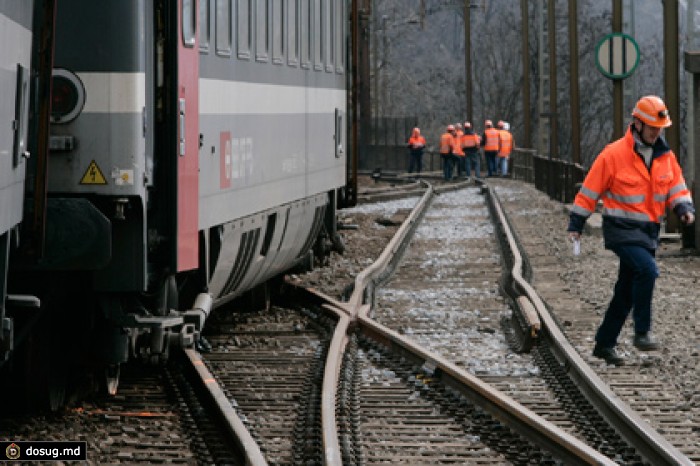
634	291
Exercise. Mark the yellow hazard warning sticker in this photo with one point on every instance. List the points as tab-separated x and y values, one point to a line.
93	175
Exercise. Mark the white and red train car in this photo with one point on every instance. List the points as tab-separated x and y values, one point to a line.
197	150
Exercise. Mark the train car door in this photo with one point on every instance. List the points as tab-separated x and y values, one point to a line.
175	206
188	136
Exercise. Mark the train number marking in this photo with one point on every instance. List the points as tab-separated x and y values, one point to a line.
93	175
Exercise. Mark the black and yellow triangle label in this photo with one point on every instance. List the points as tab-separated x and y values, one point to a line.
93	175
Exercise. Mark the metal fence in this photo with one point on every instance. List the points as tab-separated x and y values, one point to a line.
386	148
559	179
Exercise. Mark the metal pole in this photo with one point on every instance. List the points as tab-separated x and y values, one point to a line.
527	113
551	26
364	86
690	44
671	85
618	96
375	61
468	57
351	199
384	67
671	79
574	87
543	126
692	65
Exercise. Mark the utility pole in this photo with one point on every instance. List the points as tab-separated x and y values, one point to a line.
553	107
691	44
468	58
351	180
364	91
573	83
384	66
375	41
671	79
617	83
527	113
422	14
671	85
543	120
631	88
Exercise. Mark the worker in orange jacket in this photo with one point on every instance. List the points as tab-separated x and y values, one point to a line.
505	148
638	178
470	146
457	151
446	145
416	144
490	142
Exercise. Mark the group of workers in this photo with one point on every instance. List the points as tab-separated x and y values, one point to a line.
637	177
459	149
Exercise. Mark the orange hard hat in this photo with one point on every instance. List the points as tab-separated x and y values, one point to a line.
488	123
652	111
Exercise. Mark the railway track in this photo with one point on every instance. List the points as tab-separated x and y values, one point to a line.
564	400
577	290
271	364
422	363
160	415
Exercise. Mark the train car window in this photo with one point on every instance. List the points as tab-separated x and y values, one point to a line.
340	34
262	20
20	126
189	25
243	23
317	36
223	27
204	26
278	31
329	30
293	32
305	33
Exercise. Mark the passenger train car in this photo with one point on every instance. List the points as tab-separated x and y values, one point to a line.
15	61
197	151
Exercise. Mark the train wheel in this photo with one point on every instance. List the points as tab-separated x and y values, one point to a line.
45	372
112	373
307	263
259	298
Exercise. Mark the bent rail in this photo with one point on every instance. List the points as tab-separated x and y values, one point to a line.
355	311
650	444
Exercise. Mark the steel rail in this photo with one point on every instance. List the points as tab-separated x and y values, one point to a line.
651	445
524	421
501	406
239	433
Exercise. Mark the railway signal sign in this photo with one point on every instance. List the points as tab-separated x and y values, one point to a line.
617	55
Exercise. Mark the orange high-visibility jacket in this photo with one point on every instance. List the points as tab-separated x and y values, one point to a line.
446	143
506	143
634	198
470	141
457	144
416	141
491	140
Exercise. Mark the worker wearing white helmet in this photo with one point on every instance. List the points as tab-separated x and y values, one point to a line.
446	145
505	148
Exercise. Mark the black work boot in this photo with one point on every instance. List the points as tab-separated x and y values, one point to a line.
645	342
609	354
